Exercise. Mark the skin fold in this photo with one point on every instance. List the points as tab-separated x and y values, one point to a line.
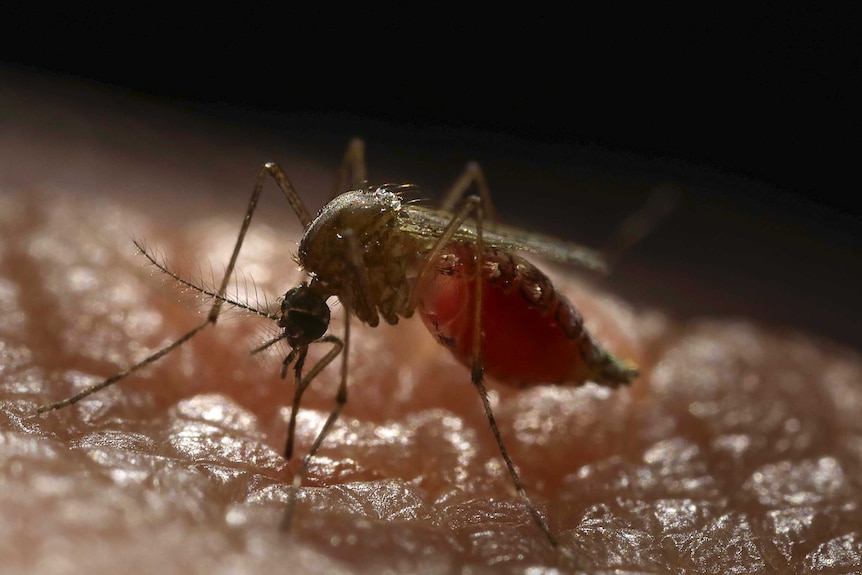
738	449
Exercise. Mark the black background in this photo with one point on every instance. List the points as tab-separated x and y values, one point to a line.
764	95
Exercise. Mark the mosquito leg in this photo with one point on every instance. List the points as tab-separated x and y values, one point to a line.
298	207
471	175
477	376
123	374
513	473
358	271
283	182
475	204
277	174
641	223
301	384
428	267
211	319
368	313
298	390
361	299
340	400
352	174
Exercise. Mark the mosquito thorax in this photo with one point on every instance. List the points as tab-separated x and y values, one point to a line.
355	250
304	315
364	212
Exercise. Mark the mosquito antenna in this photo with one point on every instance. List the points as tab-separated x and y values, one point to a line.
269	343
200	289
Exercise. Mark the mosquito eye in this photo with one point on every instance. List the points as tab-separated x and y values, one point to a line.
305	327
304	316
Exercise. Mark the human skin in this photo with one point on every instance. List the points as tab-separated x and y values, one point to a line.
737	450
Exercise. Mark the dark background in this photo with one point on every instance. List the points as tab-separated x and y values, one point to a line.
752	114
767	96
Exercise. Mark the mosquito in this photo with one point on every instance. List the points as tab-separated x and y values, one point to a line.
385	258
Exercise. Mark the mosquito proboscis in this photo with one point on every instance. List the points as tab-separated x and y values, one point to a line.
384	257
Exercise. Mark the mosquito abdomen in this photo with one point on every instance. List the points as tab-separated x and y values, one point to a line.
531	333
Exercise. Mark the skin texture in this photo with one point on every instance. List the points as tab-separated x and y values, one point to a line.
737	450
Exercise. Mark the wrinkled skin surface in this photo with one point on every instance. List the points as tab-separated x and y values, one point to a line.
737	451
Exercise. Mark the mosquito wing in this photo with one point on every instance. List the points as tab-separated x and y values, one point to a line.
430	223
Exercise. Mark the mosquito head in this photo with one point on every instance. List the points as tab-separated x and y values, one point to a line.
304	315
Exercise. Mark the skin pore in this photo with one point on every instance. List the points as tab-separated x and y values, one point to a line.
736	450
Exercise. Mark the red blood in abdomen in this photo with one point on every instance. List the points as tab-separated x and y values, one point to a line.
531	334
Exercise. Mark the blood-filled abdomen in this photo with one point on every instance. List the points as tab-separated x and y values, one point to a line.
531	333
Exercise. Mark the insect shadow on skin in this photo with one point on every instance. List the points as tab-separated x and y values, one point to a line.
385	257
